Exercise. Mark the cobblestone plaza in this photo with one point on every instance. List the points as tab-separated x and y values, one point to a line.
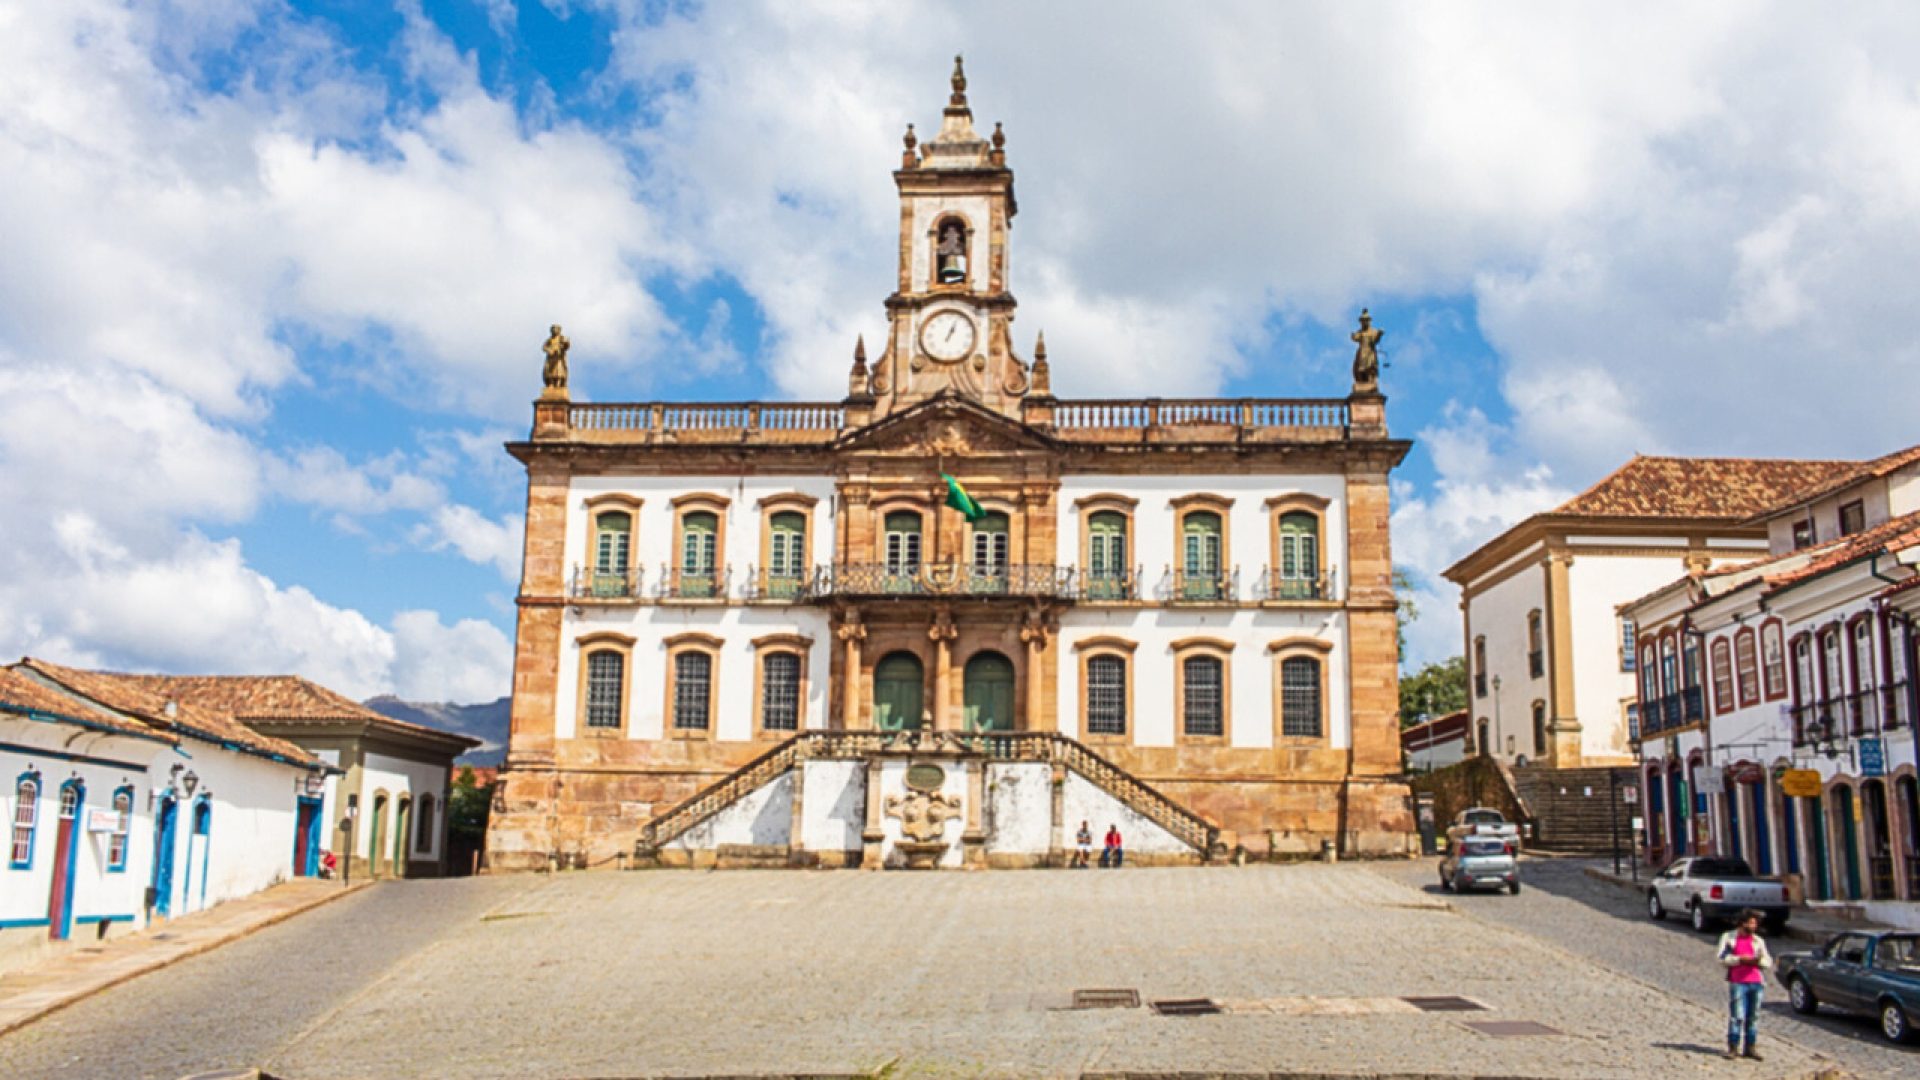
747	972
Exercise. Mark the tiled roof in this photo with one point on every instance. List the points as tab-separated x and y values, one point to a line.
280	697
1884	465
134	694
1734	489
24	693
1890	535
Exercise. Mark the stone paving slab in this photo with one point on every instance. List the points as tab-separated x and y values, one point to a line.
28	994
670	973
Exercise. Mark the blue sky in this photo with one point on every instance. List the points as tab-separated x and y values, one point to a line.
281	271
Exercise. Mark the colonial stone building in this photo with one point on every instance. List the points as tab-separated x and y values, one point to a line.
777	629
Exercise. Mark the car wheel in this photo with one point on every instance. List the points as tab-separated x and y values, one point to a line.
1513	887
1800	996
1893	1022
1697	915
1655	910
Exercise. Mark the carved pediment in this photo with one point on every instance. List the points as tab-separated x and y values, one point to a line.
945	426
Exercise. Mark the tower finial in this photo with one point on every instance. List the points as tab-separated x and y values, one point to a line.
998	155
857	380
910	158
1042	374
959	98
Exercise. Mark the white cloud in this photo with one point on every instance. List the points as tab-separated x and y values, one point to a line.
478	538
467	662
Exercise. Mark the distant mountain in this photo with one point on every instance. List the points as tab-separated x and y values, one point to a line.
488	722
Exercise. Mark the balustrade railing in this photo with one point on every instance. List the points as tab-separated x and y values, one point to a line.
679	584
1277	585
591	583
1211	587
819	417
955	579
1241	413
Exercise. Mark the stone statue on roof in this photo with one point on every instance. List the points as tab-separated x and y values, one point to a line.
1366	358
555	372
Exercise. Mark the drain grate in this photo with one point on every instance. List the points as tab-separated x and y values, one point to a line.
1445	1004
1510	1029
1106	999
1187	1007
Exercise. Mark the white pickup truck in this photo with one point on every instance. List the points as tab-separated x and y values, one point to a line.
1483	822
1711	890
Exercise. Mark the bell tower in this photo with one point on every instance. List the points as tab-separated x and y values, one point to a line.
951	312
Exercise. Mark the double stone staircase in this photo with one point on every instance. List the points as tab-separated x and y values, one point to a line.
981	748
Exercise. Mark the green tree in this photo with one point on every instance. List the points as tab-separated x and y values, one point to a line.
1433	691
467	808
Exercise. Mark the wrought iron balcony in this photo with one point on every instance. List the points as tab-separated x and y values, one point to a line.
1895	707
1221	587
1109	588
609	586
1694	701
694	585
1277	586
767	587
948	579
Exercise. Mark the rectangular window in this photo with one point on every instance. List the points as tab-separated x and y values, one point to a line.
1746	664
606	683
1633	721
26	814
780	692
1106	695
1722	676
1300	697
1853	518
1774	660
1802	534
903	544
990	547
692	690
1626	644
1202	710
122	824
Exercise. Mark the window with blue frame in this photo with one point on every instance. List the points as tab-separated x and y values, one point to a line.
26	815
122	825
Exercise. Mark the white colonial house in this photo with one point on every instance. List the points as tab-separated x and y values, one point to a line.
1777	697
1550	665
124	806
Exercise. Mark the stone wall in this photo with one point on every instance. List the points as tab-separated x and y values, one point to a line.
1477	781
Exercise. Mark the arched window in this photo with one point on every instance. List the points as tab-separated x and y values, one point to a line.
780	691
1480	666
1203	691
950	252
1722	675
902	552
1539	728
1746	668
26	816
122	825
699	553
1805	690
1536	646
1302	703
1298	576
1669	673
1107	555
1833	683
990	550
1861	707
612	544
692	690
606	688
1107	694
423	826
1200	541
1773	656
1480	745
786	553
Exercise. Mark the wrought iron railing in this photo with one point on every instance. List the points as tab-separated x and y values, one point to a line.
1880	876
1894	705
590	583
953	579
1913	876
1279	586
767	587
1109	587
678	584
1043	746
1693	702
1213	587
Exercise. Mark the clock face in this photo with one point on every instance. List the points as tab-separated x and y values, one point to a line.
947	336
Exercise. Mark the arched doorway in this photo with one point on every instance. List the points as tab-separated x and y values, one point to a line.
1762	828
1846	838
1817	849
164	826
402	818
1873	796
1656	818
989	693
376	835
899	692
1907	791
1678	820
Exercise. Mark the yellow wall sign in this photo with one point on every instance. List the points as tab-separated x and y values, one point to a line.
1800	783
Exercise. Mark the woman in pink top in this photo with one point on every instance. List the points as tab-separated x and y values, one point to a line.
1743	952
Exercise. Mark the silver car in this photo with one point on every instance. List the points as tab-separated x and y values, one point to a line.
1480	862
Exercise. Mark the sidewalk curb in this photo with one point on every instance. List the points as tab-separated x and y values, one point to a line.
8	1027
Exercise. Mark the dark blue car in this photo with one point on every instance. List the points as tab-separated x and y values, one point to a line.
1865	974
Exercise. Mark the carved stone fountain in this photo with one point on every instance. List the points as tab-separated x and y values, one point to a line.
923	814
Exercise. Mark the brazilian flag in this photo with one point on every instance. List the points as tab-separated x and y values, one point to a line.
958	498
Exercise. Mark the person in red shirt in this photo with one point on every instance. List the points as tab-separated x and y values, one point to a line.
1112	853
1743	952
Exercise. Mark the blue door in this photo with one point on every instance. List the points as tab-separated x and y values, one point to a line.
1762	832
163	858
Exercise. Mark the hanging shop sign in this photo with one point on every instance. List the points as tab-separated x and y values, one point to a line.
1800	784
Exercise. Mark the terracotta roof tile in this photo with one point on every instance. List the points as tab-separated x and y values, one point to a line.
1733	489
278	697
25	693
1890	535
135	694
1884	465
